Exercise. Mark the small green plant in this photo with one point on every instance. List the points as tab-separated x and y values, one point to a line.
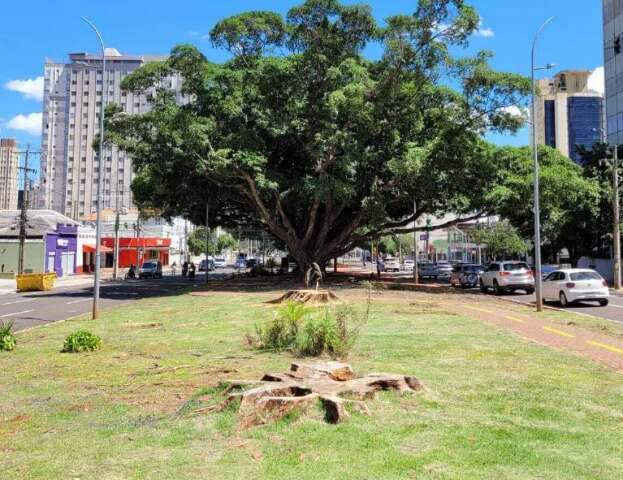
281	332
7	339
81	341
311	332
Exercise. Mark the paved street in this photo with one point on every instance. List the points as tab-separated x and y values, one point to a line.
30	309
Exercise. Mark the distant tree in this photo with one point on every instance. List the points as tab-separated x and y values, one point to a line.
302	135
568	198
501	240
217	243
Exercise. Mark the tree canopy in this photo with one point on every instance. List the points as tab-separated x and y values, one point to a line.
501	240
303	135
568	197
216	243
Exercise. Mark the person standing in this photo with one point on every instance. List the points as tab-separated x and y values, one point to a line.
380	265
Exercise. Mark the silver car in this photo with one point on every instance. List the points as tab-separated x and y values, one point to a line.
507	277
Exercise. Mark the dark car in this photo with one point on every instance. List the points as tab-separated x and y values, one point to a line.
251	262
466	275
210	265
150	270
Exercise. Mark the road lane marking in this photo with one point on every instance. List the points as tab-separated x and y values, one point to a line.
558	332
15	313
515	319
19	301
607	347
78	301
478	309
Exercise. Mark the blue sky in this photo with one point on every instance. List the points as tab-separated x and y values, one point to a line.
42	28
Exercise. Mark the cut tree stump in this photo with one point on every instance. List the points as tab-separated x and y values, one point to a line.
316	297
332	384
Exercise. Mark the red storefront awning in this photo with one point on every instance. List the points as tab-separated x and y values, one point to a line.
91	248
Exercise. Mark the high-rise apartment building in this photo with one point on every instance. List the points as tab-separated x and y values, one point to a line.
9	174
613	65
70	166
569	113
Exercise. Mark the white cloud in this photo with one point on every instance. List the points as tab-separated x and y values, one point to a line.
485	32
30	123
596	81
31	88
515	111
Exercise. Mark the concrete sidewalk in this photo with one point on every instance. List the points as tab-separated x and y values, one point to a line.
9	286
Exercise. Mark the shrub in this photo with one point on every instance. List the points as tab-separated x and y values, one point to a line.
81	341
311	332
7	339
281	332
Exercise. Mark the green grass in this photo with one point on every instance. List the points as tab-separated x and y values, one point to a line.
496	406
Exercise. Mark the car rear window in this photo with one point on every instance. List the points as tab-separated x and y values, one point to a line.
472	268
585	276
511	267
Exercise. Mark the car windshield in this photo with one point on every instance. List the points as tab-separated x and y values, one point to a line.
472	268
511	267
585	276
149	265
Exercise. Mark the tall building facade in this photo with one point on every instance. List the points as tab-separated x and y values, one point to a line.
72	105
568	113
613	66
9	174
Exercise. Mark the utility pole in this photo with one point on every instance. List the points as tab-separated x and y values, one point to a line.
138	231
115	270
207	243
415	245
23	217
616	224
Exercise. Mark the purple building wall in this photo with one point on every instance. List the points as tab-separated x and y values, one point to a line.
61	243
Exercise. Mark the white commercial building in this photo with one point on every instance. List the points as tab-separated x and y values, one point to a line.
72	106
9	174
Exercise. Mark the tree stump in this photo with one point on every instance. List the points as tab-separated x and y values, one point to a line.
315	297
333	384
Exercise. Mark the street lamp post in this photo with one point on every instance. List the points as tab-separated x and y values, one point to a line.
100	176
535	150
415	245
616	224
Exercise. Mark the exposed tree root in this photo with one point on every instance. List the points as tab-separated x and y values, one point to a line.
333	384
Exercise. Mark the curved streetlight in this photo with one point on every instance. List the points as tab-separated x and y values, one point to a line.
537	209
100	176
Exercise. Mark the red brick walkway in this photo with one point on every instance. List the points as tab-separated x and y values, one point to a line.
603	349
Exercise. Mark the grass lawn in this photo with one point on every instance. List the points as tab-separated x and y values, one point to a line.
496	406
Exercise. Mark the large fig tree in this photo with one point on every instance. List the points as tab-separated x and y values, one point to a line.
324	126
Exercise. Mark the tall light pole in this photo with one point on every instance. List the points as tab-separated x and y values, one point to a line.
100	176
616	231
535	150
415	245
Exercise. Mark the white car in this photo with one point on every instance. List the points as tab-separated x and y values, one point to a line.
507	276
408	265
391	265
220	262
575	285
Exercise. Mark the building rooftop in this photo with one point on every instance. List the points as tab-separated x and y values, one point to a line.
40	222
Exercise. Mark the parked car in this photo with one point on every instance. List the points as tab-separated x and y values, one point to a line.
209	263
507	276
408	265
547	269
150	270
391	265
251	262
220	262
241	263
428	270
575	284
444	270
466	275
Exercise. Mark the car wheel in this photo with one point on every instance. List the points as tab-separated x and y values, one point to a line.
483	289
603	303
562	298
496	288
529	291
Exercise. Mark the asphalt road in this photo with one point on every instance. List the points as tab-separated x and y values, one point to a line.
31	309
614	310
